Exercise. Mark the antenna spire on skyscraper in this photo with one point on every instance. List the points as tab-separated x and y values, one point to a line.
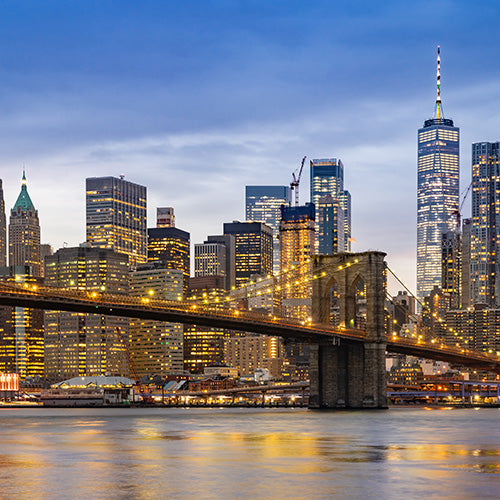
438	81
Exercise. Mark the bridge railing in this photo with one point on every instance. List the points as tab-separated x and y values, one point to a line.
221	310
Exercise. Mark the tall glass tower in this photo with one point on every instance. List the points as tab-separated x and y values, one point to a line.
327	179
263	204
485	234
437	192
116	216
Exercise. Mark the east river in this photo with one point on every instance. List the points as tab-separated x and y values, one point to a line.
235	453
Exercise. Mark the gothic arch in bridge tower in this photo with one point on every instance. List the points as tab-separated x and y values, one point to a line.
350	374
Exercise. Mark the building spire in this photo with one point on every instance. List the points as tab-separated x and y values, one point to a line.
439	110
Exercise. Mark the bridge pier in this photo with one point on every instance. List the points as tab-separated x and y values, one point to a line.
349	374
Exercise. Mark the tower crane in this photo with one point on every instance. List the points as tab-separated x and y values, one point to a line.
458	211
294	185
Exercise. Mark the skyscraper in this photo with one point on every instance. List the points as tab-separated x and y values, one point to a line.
485	233
327	178
24	233
3	230
171	246
330	235
156	347
165	217
437	192
215	257
263	204
78	344
254	249
116	217
297	246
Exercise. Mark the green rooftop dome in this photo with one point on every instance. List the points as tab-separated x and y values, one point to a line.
24	200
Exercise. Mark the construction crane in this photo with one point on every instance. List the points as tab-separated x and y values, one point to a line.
458	211
294	185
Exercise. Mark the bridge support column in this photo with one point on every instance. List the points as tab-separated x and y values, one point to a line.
350	373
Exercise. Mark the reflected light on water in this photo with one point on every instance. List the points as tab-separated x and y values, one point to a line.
247	454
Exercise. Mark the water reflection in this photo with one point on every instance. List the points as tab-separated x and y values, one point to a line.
265	454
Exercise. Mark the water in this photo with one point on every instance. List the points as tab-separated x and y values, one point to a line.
249	454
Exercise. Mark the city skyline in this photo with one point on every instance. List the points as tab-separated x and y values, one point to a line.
171	101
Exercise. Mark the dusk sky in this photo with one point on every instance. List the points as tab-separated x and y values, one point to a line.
197	99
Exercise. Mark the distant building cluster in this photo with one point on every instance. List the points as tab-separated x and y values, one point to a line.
122	255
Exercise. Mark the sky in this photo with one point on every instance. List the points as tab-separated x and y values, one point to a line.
197	99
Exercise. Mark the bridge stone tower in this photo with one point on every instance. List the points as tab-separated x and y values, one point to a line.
349	374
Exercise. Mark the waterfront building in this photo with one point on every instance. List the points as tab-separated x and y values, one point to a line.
451	266
21	330
24	233
327	178
171	247
253	249
116	216
156	348
263	204
476	328
203	346
78	344
3	230
296	248
165	217
437	193
485	233
250	352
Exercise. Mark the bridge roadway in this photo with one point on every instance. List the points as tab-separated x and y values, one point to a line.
218	316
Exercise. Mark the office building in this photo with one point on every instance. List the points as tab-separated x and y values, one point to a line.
116	217
327	178
216	257
437	193
156	348
253	249
171	247
474	328
296	248
24	233
330	227
466	263
21	330
485	232
78	344
165	217
250	352
3	230
263	204
204	346
451	266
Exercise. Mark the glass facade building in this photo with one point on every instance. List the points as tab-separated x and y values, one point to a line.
437	197
253	249
327	178
80	344
485	232
156	347
263	204
116	216
171	246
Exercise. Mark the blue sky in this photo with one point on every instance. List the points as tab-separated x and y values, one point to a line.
197	99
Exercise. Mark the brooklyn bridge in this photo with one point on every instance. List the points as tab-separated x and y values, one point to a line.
347	364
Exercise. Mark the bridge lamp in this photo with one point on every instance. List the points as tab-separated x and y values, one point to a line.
151	292
103	288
